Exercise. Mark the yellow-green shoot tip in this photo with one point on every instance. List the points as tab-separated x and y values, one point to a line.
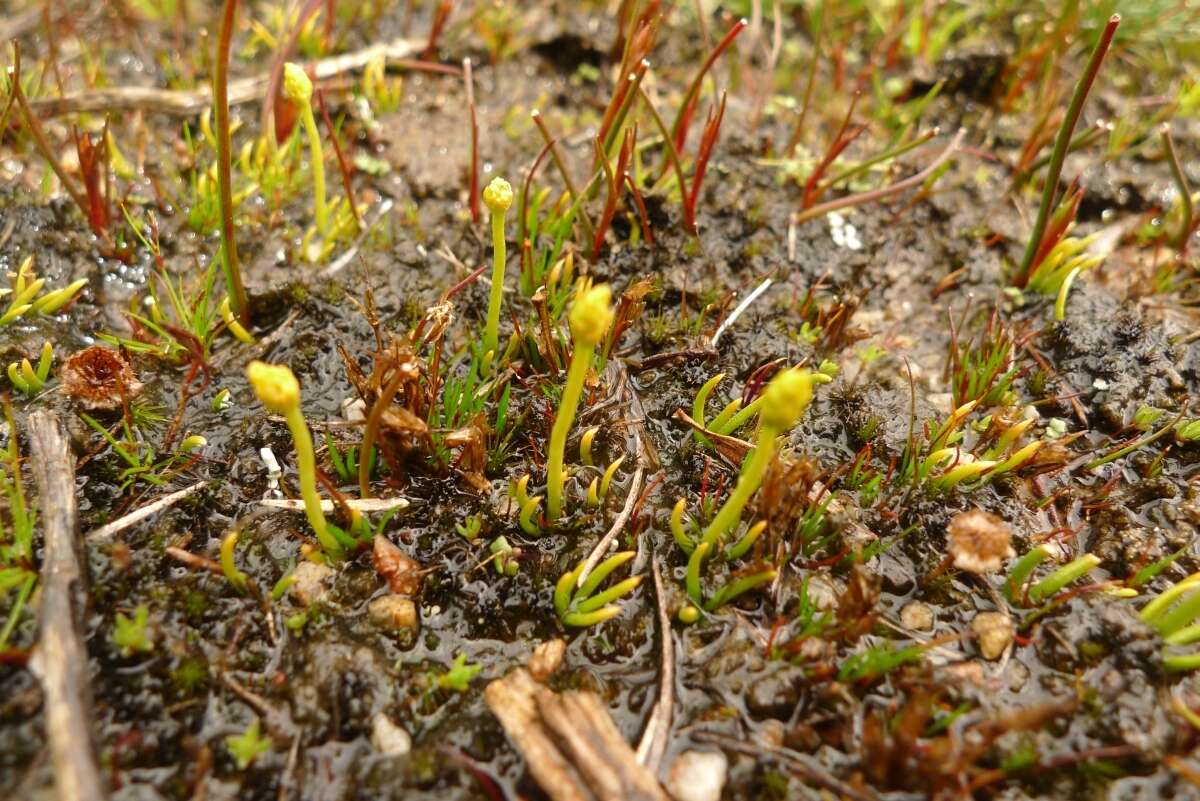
786	398
296	84
498	196
275	385
591	314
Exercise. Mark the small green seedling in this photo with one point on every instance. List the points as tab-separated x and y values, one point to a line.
132	634
458	677
28	379
24	298
470	527
731	590
590	317
582	605
236	578
504	556
527	507
598	489
585	445
248	746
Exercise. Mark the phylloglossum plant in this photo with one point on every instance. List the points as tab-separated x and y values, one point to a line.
277	388
298	88
590	317
498	196
783	402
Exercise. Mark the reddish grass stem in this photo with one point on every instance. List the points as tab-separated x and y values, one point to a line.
343	166
615	178
473	180
39	138
840	142
1061	146
712	128
679	129
874	195
438	24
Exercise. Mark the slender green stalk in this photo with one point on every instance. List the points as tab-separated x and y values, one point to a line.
1062	144
499	197
235	577
1020	572
747	484
581	361
277	388
1060	578
590	317
298	88
784	400
229	260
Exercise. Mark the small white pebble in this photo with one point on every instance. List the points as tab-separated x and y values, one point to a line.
697	776
388	738
917	615
844	234
1100	384
354	410
995	633
273	469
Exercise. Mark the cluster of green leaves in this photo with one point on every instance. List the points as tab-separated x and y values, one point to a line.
26	297
954	455
688	537
982	367
29	379
580	604
1175	615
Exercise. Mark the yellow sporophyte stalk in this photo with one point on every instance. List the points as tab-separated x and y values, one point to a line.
784	401
590	317
277	388
298	89
498	197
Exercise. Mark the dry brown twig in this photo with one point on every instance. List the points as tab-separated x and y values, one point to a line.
184	103
60	661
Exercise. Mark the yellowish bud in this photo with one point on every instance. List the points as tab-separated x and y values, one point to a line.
786	398
192	443
591	314
498	196
275	385
296	85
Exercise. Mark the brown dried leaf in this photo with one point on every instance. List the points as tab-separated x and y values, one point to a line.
402	573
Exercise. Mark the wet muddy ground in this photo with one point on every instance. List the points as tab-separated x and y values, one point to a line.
1076	704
